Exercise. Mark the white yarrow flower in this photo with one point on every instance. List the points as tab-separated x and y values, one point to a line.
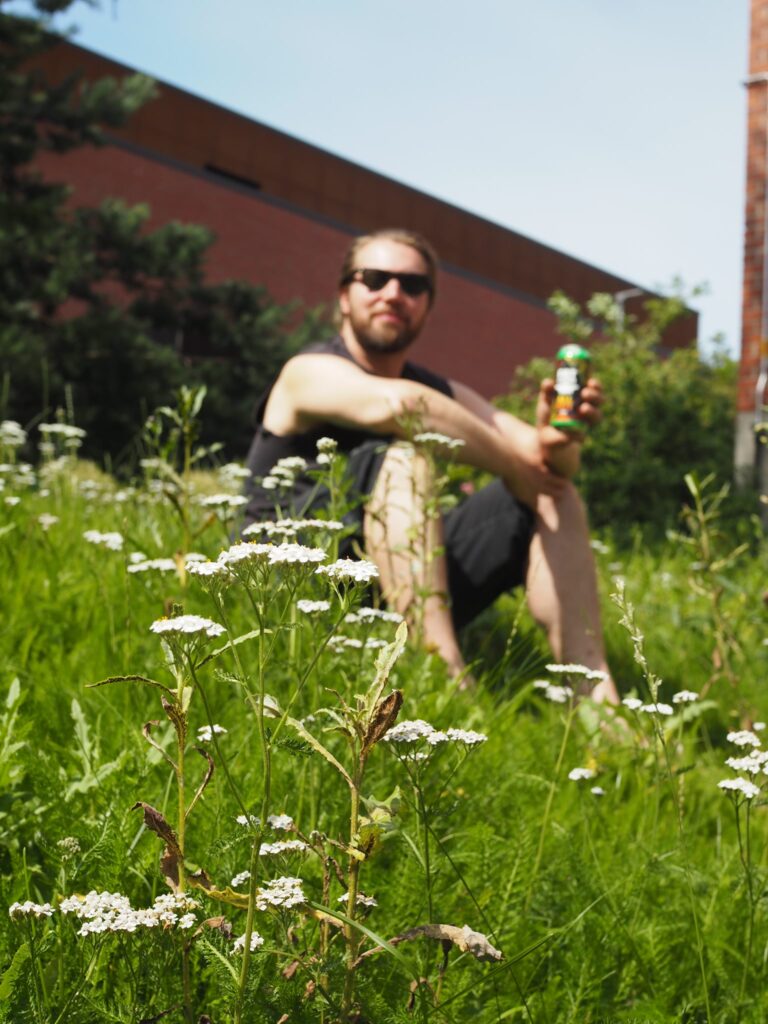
282	846
111	540
239	946
187	624
580	774
153	565
205	732
752	763
283	822
550	691
308	607
292	554
348	570
743	738
30	909
360	899
744	786
632	703
467	736
657	709
684	697
280	892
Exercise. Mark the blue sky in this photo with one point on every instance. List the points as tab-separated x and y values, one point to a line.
613	131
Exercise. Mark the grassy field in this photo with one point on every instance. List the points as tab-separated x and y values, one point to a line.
510	855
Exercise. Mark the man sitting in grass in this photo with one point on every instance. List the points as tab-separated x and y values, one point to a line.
527	528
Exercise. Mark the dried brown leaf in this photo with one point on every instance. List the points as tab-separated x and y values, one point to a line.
383	719
465	939
171	855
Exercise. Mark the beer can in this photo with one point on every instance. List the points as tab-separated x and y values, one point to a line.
571	374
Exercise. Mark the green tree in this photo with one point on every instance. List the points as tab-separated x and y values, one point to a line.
95	309
663	417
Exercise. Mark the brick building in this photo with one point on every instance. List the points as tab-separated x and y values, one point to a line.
283	212
753	375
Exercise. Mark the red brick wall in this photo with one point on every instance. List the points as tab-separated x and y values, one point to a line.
477	333
755	241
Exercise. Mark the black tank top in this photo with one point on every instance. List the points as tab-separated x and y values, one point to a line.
267	448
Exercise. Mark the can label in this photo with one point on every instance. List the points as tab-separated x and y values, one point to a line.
570	377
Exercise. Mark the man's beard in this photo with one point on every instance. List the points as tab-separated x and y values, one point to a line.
376	343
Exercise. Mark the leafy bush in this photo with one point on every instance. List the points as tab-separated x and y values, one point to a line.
663	417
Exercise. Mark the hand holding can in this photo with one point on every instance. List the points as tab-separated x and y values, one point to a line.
571	374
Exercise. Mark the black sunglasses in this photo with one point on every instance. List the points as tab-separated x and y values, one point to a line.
375	280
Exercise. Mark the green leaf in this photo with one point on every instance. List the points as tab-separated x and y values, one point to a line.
12	972
317	745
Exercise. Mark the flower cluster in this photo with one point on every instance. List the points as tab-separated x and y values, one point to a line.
280	893
744	738
193	625
283	474
581	774
360	899
747	789
417	731
367	615
111	540
279	822
289	528
347	570
112	912
551	691
326	450
205	732
12	434
590	674
239	946
754	763
309	607
153	565
30	909
223	501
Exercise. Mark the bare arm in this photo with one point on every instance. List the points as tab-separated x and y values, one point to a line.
319	388
560	450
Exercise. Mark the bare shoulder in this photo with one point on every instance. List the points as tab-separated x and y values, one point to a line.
316	387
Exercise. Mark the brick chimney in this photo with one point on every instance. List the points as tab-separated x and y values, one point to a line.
752	393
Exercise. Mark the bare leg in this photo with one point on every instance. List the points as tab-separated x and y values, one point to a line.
562	587
405	544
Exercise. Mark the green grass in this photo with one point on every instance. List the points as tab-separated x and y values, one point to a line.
595	901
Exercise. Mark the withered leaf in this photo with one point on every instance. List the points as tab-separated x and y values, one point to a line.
289	971
383	719
171	855
309	990
171	708
200	879
467	940
220	924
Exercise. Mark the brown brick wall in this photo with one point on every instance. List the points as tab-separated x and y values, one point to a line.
477	333
344	197
755	241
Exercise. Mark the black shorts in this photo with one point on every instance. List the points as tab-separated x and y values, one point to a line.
487	537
